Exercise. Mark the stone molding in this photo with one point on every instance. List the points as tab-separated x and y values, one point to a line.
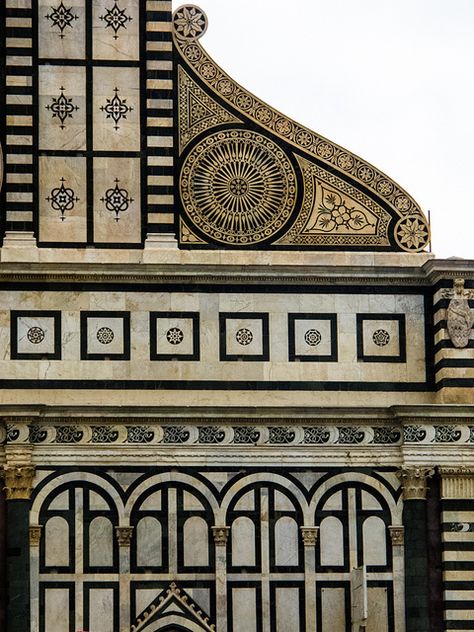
457	482
221	535
310	535
414	482
35	534
124	535
397	534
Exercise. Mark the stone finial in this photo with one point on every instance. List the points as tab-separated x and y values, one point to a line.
35	534
413	481
18	481
310	535
124	535
459	315
397	534
221	535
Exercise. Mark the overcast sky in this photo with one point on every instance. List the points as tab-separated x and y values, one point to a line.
390	80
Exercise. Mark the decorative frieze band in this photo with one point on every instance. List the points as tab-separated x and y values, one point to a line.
457	482
154	432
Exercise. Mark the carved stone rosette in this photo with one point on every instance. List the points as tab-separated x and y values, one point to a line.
221	535
309	535
124	535
414	482
397	534
35	534
18	481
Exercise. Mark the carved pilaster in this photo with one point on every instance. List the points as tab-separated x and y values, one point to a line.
457	482
397	534
35	534
221	535
124	535
414	482
309	535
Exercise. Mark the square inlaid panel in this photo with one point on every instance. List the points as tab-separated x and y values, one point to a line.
381	337
244	336
105	335
35	335
174	336
312	337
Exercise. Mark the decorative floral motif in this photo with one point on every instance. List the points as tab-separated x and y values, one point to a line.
349	435
447	434
140	434
460	527
345	161
245	435
244	337
335	215
116	109
317	435
105	335
61	17
414	434
381	337
238	187
312	337
386	436
324	150
37	434
62	108
411	233
174	336
116	18
68	434
366	174
62	199
384	187
117	200
35	335
190	22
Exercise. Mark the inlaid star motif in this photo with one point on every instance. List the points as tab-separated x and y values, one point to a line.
116	18
116	109
117	200
61	17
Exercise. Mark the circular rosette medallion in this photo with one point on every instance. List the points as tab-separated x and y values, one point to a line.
238	187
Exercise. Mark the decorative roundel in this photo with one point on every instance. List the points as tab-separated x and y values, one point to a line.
238	187
381	337
35	335
174	336
190	22
105	335
411	233
312	337
244	337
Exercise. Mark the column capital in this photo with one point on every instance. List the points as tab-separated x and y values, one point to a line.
35	534
18	481
124	535
310	535
414	482
221	535
397	534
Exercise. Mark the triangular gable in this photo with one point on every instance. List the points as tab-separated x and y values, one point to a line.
173	606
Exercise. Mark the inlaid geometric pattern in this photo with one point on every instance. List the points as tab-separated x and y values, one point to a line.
174	336
381	337
312	337
105	335
244	336
35	335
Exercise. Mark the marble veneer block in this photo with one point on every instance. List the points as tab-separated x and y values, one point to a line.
244	336
61	29
116	28
62	107
312	337
62	199
116	108
174	336
381	337
117	200
105	335
35	335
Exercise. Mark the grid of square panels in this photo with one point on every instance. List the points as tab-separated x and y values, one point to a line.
176	335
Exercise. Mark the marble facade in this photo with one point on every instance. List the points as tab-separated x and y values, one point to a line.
237	392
